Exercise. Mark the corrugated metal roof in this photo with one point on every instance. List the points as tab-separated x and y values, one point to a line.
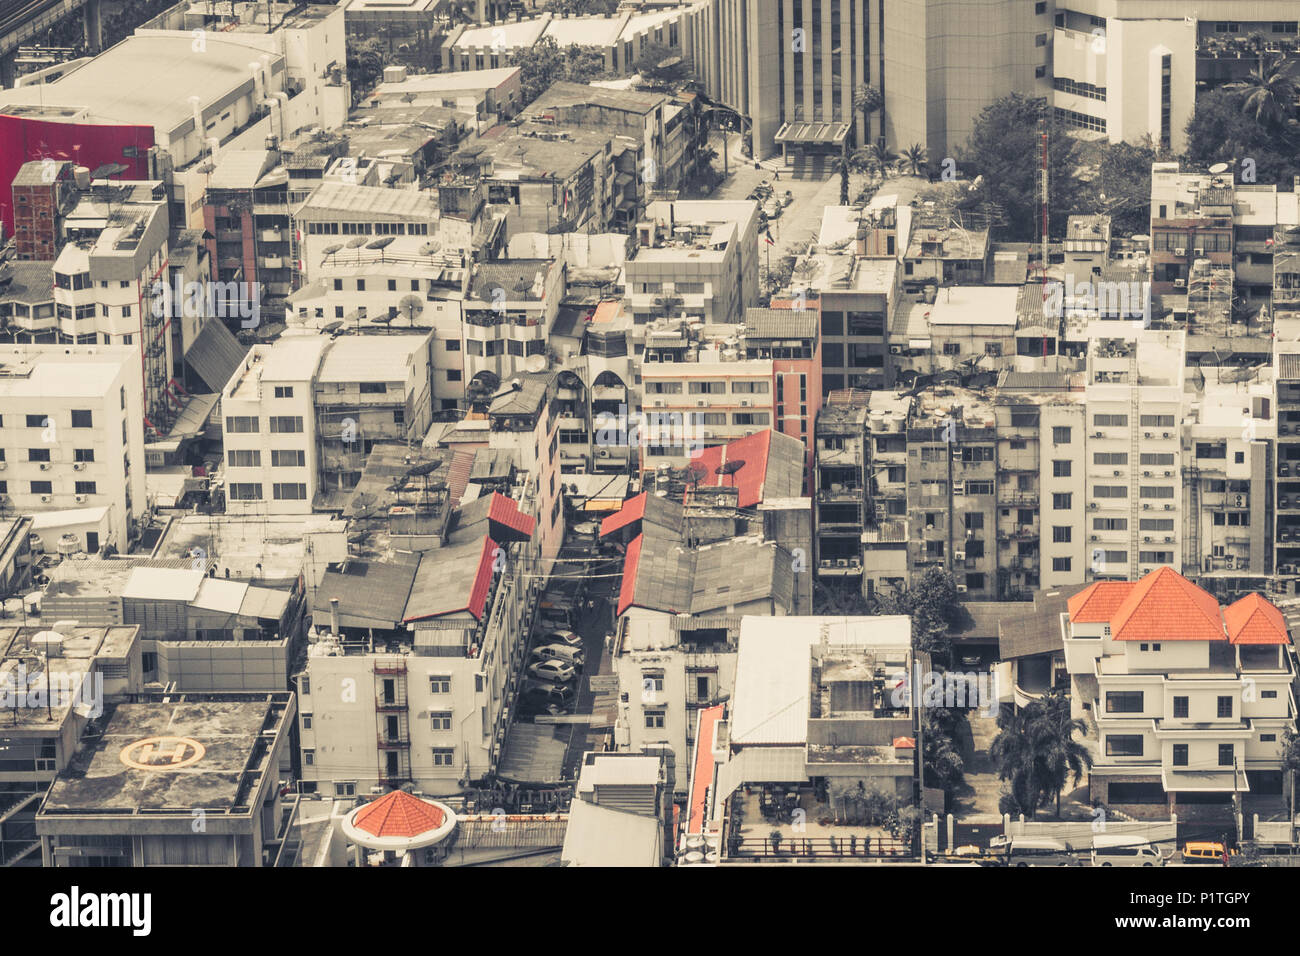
215	354
762	765
1288	366
781	323
370	593
163	584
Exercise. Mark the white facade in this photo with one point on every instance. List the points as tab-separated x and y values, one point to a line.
73	439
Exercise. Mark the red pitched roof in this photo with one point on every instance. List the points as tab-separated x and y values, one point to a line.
627	589
482	579
462	463
505	511
633	510
1255	620
753	451
702	772
398	814
1165	606
1097	603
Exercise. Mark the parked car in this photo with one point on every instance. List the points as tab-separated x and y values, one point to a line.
773	209
1116	850
561	652
1205	853
562	637
543	694
1026	851
555	617
552	670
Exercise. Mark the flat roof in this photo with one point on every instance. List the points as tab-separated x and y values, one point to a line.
241	542
372	358
130	766
123	84
376	201
975	305
770	702
53	370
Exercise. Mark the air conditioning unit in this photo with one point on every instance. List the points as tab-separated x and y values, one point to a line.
1198	251
895	350
959	555
1180	252
602	452
1146	434
659	403
1169	507
80	498
1164	434
1093	505
1116	472
1146	538
700	403
744	403
1146	474
1146	505
45	466
1169	474
78	466
3	465
961	589
1095	537
1169	538
1099	435
1180	283
45	498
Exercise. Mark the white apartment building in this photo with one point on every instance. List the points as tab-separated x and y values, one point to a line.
668	670
699	257
342	223
1190	700
302	413
72	441
1134	489
509	312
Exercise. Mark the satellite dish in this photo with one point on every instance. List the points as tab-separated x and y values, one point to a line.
332	326
358	242
535	363
730	468
330	250
1218	169
381	243
424	468
430	247
109	170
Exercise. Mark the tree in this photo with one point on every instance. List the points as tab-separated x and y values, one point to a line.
944	766
1222	131
842	167
1270	93
582	64
1291	761
866	100
914	160
1006	149
1012	753
663	66
365	60
839	601
583	8
932	604
1060	756
1122	186
879	159
539	66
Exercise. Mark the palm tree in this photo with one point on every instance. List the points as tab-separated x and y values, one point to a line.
1012	752
866	100
914	159
1270	92
1058	755
842	167
879	158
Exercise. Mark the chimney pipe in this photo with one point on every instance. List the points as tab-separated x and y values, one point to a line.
334	616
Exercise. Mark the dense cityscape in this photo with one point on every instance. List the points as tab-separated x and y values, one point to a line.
650	433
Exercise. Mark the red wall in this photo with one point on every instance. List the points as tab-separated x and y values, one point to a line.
23	139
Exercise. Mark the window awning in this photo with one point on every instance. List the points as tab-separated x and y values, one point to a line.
1204	781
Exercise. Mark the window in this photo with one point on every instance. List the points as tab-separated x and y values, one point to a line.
444	756
1124	702
79	454
952	348
1060	434
309	757
245	492
1061	533
84	487
345	789
38	454
289	491
1268	695
1156	421
1110	458
440	720
1062	501
244	458
1225	706
1226	755
1180	708
304	686
284	424
1124	745
1060	564
306	721
81	418
654	719
1156	491
1267	738
284	391
37	421
42	488
288	458
1110	421
373	388
652	681
1061	468
1180	755
241	424
439	683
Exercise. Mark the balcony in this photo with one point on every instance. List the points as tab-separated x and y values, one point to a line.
1018	497
839	567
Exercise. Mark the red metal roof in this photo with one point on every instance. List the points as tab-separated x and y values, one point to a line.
627	589
482	579
462	463
633	510
702	772
1165	606
398	814
1097	603
1255	620
753	451
903	743
505	511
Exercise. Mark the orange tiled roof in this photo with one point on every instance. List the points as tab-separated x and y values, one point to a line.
1097	603
1255	620
398	814
1165	606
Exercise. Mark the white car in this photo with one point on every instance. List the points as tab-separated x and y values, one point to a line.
553	670
563	637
